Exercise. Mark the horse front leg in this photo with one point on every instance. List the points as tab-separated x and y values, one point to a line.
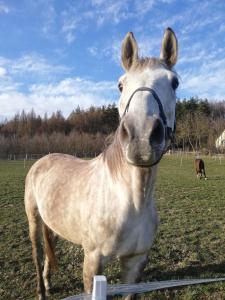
93	265
132	268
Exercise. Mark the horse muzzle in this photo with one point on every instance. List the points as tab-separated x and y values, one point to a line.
145	148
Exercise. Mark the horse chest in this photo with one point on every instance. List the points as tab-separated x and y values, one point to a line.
138	234
124	234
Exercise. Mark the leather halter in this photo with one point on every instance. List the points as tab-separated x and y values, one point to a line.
169	133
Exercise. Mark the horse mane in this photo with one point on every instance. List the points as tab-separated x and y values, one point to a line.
113	155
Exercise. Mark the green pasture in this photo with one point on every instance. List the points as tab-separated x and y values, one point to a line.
190	242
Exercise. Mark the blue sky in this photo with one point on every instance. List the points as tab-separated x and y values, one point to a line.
55	55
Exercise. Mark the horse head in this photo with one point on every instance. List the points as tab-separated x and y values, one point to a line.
147	102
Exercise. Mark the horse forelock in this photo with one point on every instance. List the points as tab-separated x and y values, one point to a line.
145	62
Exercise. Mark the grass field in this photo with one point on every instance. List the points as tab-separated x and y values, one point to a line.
190	241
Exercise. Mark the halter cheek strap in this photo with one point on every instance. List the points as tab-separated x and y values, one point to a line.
168	130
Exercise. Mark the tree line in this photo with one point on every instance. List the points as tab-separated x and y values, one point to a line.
199	124
84	132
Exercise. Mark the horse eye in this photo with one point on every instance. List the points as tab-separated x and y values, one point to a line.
175	83
120	87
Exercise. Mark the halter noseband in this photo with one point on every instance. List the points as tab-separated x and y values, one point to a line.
169	133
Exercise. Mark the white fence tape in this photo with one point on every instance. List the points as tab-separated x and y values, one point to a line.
123	289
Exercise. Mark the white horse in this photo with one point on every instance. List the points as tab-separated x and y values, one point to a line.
106	204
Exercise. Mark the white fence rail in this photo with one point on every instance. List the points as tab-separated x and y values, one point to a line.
177	153
101	290
35	156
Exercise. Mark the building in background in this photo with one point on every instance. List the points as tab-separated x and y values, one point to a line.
220	141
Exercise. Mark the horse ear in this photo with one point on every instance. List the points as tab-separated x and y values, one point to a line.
169	50
129	51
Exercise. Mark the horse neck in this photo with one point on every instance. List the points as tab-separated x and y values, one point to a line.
139	182
142	183
114	158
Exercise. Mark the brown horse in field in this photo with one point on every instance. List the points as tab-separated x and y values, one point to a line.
200	168
107	204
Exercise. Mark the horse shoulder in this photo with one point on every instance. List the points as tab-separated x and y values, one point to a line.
51	181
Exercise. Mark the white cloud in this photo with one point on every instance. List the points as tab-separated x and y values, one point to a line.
74	20
97	2
2	72
4	61
144	6
113	12
4	9
199	23
198	54
171	21
149	46
100	13
35	64
49	15
70	37
116	11
167	1
17	91
207	81
222	28
8	85
31	63
64	95
93	50
198	26
70	24
112	50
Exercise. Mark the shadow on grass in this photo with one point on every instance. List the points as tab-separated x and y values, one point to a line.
64	289
216	178
212	270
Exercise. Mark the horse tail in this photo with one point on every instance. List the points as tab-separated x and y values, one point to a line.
49	247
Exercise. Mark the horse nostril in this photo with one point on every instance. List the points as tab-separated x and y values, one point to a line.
157	133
